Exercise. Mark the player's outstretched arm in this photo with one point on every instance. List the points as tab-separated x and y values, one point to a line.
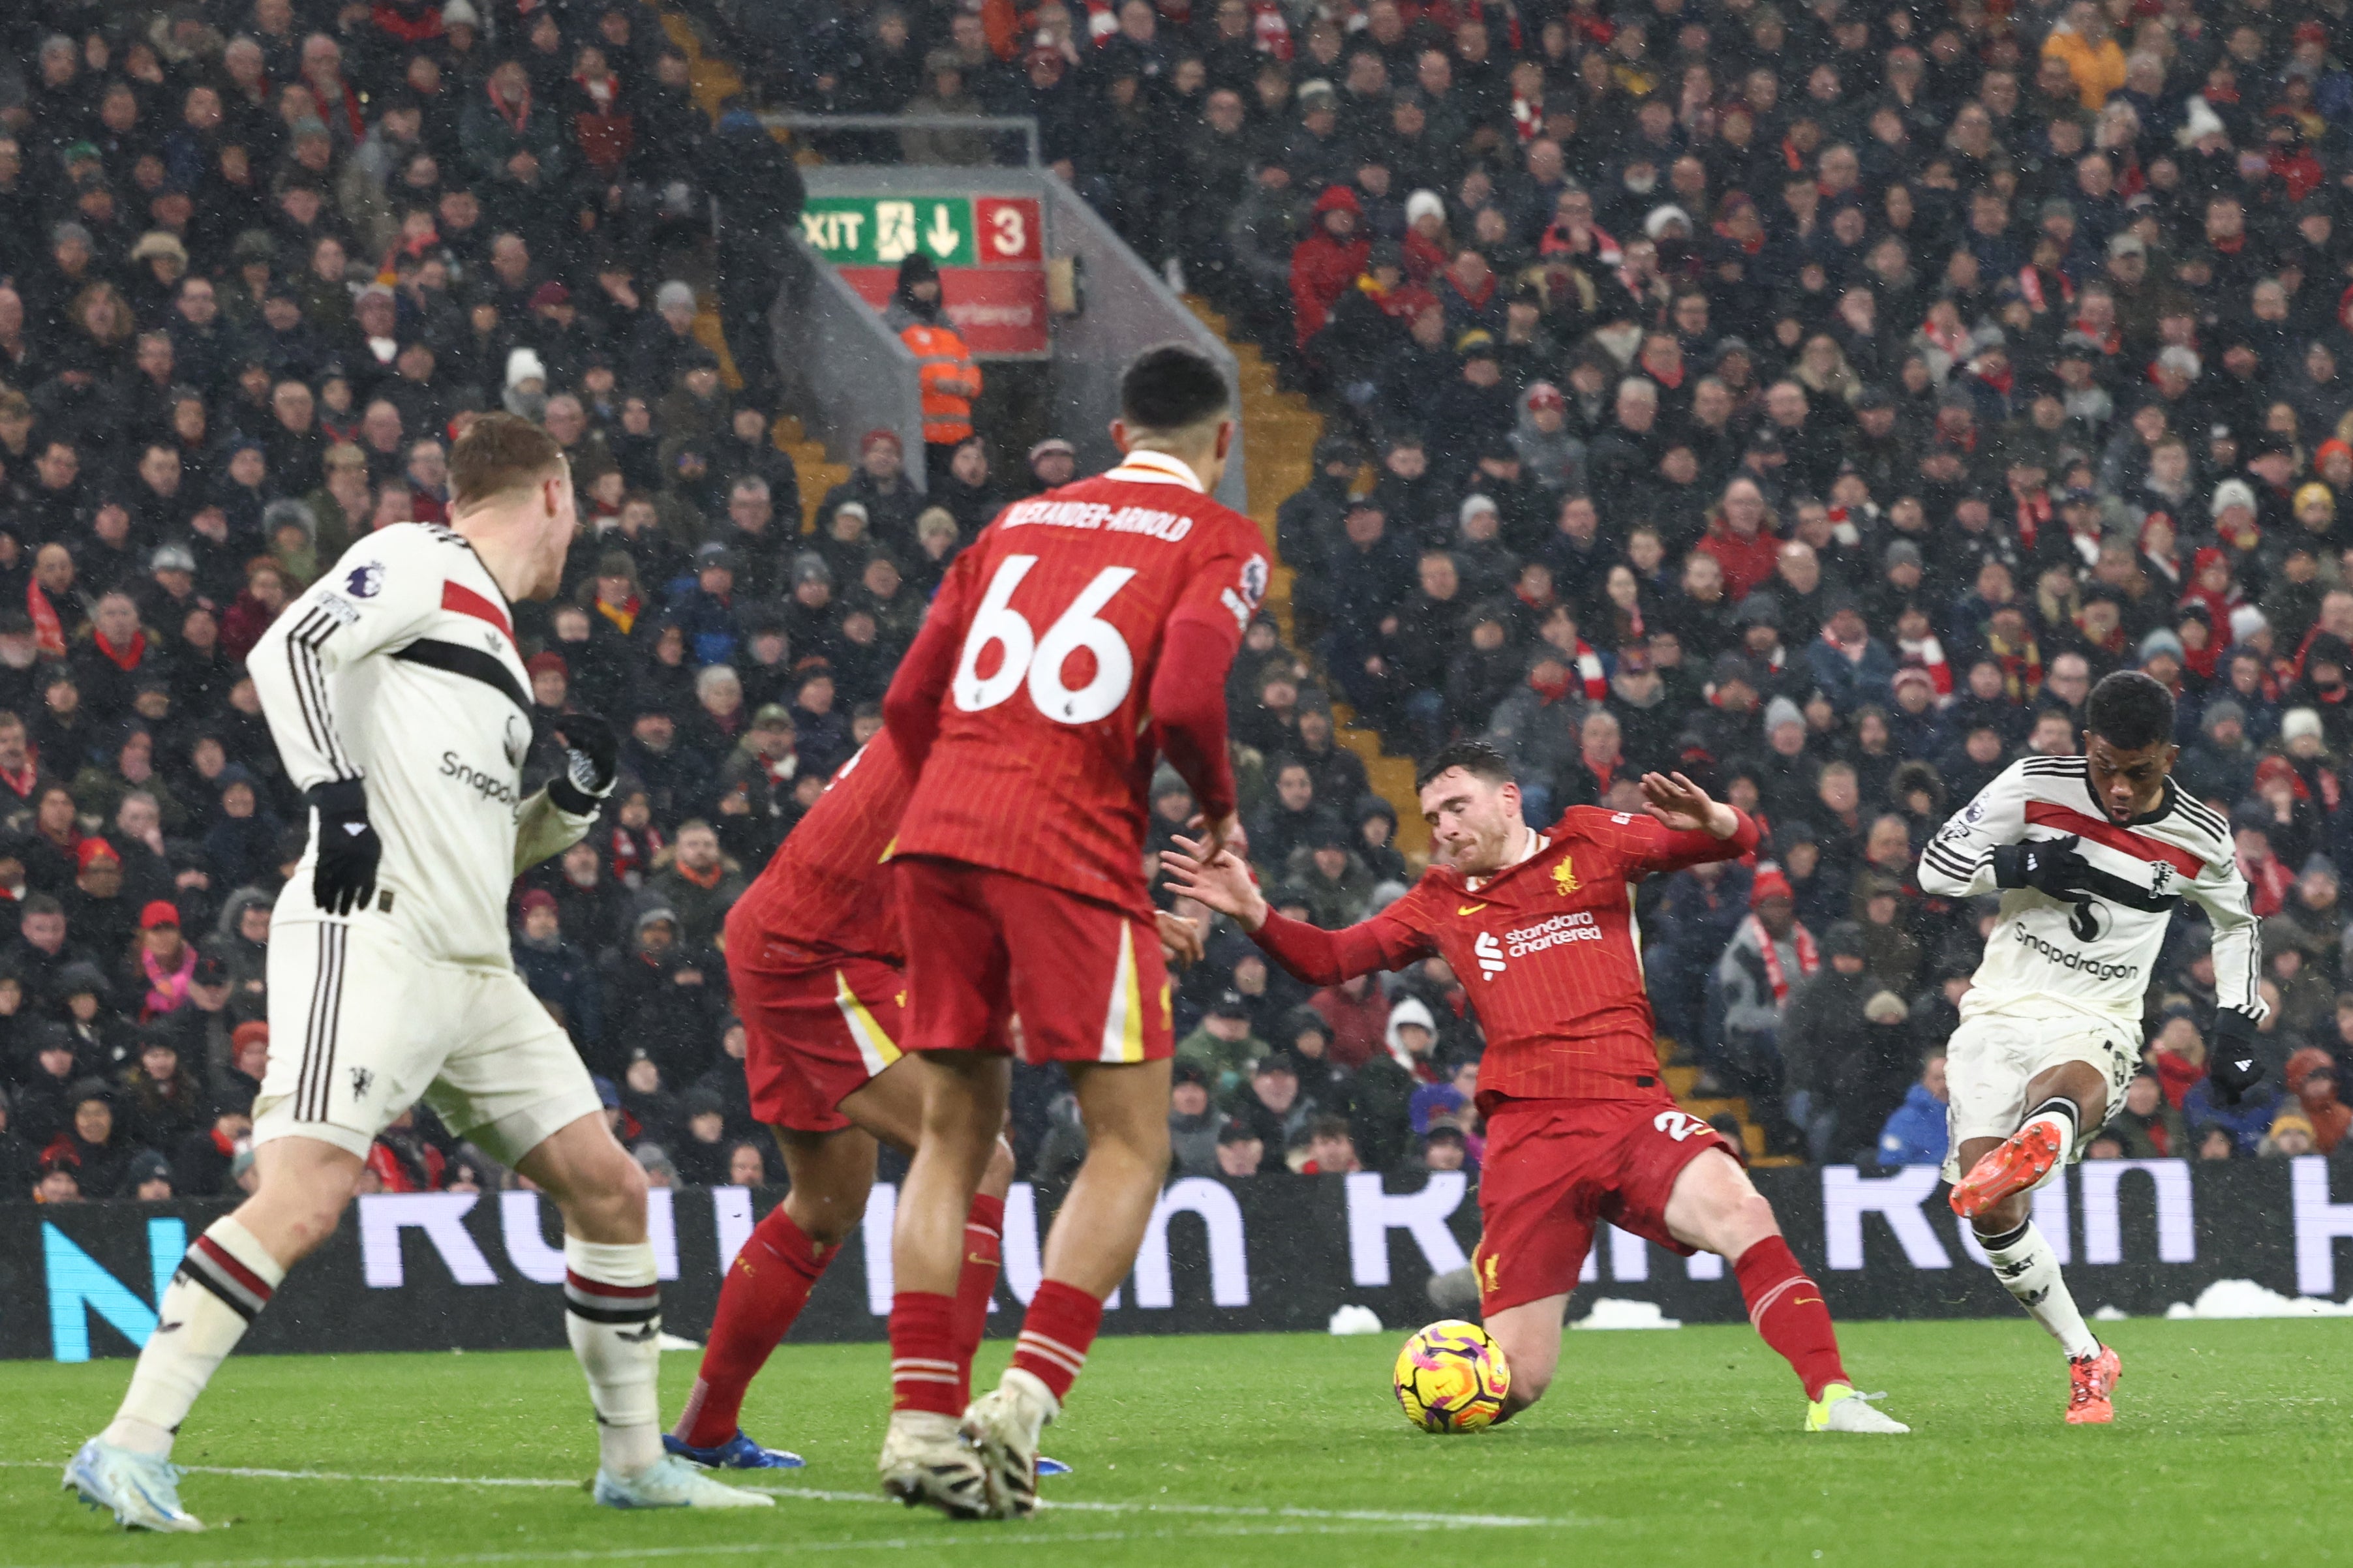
1211	875
1219	878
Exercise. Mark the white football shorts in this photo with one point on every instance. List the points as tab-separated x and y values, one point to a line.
361	1029
1992	1058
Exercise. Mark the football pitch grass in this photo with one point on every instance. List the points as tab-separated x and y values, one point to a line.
2233	1445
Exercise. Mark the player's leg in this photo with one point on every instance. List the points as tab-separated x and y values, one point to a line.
1529	1337
956	1005
765	1287
1091	986
612	1315
2066	1105
2062	1106
226	1277
1536	1208
813	1037
515	1087
315	1120
1090	1249
1713	1205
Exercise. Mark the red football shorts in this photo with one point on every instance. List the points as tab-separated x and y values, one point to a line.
813	1037
1086	979
1557	1167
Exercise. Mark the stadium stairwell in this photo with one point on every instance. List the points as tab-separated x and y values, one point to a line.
1280	430
712	81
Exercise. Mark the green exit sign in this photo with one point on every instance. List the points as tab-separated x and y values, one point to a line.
869	231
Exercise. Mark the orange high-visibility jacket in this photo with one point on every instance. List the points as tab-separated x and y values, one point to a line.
943	361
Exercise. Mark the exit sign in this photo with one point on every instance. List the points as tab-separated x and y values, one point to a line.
990	251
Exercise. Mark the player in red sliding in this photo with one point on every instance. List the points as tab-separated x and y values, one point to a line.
1085	630
815	958
1579	1127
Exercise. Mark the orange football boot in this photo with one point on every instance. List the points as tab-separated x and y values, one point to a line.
2095	1378
2024	1159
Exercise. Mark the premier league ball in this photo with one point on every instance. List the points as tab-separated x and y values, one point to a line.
1452	1377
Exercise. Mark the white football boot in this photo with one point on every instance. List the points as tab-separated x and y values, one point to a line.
142	1490
925	1461
671	1483
1004	1425
1841	1409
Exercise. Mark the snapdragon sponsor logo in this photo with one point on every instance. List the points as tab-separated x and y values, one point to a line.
484	785
1576	926
2096	968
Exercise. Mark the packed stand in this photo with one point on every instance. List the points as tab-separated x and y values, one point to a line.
261	261
1817	399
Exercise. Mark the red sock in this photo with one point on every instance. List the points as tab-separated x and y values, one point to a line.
923	1353
1785	1309
1056	1335
984	1229
765	1290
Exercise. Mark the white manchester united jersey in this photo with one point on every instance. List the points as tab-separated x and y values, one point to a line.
2097	952
399	667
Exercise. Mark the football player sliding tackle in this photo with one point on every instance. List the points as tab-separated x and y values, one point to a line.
1580	1129
2091	855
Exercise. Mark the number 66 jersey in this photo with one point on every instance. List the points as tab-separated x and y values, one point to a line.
1085	631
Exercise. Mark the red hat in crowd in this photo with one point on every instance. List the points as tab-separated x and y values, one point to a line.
93	850
539	662
159	913
1769	884
538	899
878	433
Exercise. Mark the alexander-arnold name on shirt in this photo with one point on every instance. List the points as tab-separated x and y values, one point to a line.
1168	527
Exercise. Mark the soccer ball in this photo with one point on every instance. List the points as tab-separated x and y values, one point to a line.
1452	1377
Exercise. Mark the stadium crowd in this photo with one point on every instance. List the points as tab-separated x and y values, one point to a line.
1815	399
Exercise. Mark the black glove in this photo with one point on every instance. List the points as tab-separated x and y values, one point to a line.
2231	1065
343	878
2051	866
591	762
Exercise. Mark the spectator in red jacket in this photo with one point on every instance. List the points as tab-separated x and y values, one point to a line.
1327	261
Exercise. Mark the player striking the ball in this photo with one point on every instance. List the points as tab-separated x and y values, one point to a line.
2091	855
398	700
816	961
1083	630
1579	1127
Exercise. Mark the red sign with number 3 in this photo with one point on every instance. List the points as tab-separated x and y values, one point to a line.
1009	230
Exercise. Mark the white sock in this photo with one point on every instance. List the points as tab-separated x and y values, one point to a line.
2064	1119
2028	1270
613	1317
223	1281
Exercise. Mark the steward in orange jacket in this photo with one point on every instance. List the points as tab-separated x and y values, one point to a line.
944	366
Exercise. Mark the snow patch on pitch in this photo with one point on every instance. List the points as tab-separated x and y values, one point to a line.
2245	1299
1355	1321
1611	1312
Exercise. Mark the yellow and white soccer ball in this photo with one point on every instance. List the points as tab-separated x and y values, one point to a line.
1452	1377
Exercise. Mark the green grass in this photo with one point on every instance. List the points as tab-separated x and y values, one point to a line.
2233	1446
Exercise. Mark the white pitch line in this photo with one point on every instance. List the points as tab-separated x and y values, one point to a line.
944	1542
1410	1519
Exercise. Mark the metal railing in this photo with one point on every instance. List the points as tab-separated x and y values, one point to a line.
1026	125
844	370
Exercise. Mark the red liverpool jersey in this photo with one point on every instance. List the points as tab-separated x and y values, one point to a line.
1038	659
1546	950
821	896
